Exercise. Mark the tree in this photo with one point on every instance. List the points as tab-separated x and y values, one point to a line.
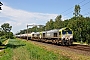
58	22
50	25
34	29
77	10
6	28
11	35
65	23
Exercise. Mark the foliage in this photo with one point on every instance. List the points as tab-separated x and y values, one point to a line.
6	27
50	25
77	10
58	22
2	37
0	42
5	32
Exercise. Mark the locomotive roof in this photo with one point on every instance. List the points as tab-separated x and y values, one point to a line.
54	30
64	28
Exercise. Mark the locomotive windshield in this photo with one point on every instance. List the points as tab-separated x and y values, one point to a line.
69	32
66	31
63	32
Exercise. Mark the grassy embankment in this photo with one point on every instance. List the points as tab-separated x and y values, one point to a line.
2	43
80	43
23	50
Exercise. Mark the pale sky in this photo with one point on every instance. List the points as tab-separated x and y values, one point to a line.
19	13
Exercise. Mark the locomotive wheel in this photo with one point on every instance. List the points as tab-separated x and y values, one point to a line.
57	42
70	43
53	41
62	43
67	42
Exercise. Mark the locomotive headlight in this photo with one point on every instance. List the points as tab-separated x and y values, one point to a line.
63	37
71	37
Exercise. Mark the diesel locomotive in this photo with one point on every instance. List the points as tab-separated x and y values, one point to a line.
63	36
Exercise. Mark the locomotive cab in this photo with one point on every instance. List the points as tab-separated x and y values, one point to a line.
66	36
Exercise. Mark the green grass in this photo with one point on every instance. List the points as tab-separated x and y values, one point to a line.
6	55
24	50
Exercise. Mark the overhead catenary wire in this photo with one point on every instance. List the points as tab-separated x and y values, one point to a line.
88	13
86	9
85	3
72	7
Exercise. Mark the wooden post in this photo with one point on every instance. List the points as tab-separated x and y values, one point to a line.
27	32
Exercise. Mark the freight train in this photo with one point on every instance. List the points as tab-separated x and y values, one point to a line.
63	36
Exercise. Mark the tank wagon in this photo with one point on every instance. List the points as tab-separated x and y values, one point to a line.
62	36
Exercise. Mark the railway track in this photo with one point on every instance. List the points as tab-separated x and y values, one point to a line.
80	47
75	46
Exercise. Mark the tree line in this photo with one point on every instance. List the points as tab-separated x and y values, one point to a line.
78	23
5	31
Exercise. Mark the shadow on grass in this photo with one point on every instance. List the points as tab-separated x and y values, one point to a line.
2	48
14	46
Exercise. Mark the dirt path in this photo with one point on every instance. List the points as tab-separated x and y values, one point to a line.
5	43
71	53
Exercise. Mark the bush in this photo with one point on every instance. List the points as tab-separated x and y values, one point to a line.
0	43
3	37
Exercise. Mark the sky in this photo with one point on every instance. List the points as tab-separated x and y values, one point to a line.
19	13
